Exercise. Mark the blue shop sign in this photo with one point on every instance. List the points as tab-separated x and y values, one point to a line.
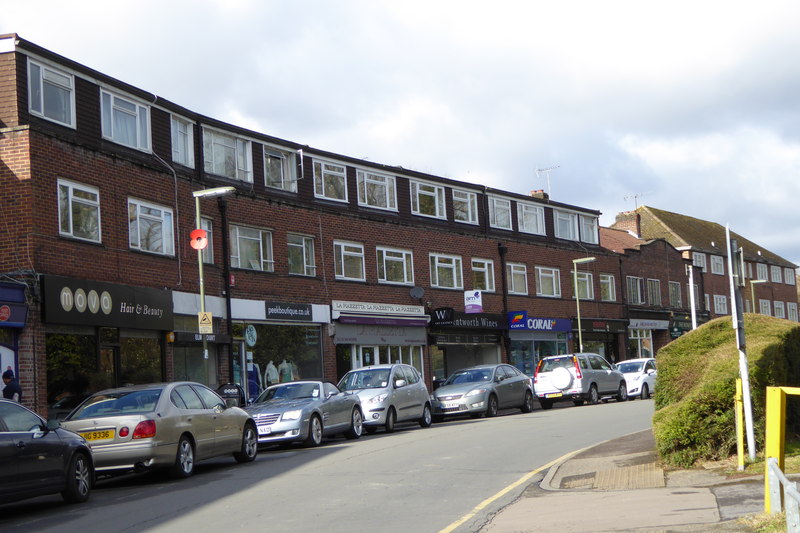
521	320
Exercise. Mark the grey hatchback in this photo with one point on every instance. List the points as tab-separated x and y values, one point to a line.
482	390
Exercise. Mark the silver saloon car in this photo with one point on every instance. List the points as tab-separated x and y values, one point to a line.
305	411
482	390
389	394
162	425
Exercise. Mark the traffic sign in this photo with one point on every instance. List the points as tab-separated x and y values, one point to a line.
205	324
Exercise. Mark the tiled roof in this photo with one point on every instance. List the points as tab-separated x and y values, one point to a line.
618	240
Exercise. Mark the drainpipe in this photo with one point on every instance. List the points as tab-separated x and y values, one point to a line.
502	250
226	275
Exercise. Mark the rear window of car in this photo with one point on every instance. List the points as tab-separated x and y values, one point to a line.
118	403
550	364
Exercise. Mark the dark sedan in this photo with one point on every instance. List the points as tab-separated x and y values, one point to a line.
37	458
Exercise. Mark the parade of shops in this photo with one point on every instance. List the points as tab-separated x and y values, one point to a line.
316	263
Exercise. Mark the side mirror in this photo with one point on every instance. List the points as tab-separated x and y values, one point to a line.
330	394
53	423
399	383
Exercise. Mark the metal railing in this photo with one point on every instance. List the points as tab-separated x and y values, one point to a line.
782	490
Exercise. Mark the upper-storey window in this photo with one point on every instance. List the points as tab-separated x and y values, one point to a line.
499	213
182	141
125	121
348	258
789	276
608	290
150	227
635	290
376	190
465	206
548	282
761	271
530	218
775	272
251	248
427	200
654	292
483	275
395	266
566	225
207	253
589	229
446	271
78	211
279	169
51	93
675	294
699	260
779	309
330	181
517	275
717	265
300	255
585	288
227	155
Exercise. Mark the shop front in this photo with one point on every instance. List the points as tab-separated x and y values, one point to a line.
459	340
13	315
603	337
100	335
368	333
535	337
646	336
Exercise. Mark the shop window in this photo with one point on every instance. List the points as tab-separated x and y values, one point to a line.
640	343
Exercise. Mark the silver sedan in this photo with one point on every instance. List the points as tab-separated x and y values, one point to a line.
482	390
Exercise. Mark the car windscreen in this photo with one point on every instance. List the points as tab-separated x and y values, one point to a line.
628	368
290	391
118	403
469	376
374	378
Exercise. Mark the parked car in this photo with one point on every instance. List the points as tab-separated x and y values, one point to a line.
41	458
482	390
640	375
64	406
389	394
580	377
305	411
162	425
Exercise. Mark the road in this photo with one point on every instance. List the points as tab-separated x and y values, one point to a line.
425	480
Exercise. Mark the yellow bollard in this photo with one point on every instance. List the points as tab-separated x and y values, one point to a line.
775	431
739	405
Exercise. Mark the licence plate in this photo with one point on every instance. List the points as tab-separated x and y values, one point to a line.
106	434
450	405
553	395
264	430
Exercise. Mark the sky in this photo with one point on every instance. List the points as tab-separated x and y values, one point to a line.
686	106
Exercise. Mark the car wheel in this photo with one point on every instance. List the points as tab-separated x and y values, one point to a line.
184	459
546	404
527	403
491	406
356	424
314	432
391	418
79	479
594	397
249	445
427	418
622	393
645	392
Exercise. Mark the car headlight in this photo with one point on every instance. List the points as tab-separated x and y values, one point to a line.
292	415
378	399
475	392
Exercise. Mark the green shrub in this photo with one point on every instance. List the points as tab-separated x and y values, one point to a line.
694	399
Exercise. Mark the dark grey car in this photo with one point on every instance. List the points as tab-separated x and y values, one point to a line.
482	390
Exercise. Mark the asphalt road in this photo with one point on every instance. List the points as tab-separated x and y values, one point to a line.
425	480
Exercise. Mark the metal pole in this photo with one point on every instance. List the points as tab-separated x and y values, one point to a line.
577	305
692	302
200	273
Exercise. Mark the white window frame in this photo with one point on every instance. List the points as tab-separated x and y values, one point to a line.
545	274
566	225
345	253
608	281
530	219
635	286
441	265
207	253
585	286
589	229
113	105
762	271
791	311
675	299
421	190
470	202
287	181
717	265
789	276
486	267
395	256
499	207
265	261
242	155
182	141
654	292
765	307
328	174
780	309
77	195
720	304
56	79
775	274
699	260
369	180
517	278
303	244
156	214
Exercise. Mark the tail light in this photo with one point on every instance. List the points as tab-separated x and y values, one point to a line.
578	374
536	372
145	430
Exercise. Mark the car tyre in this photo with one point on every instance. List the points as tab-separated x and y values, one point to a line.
249	449
645	392
427	417
184	459
491	406
391	419
527	403
622	393
356	424
314	438
79	479
594	396
546	404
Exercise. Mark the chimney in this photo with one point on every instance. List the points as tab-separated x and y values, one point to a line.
629	221
540	194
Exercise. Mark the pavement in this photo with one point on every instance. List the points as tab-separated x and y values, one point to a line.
620	486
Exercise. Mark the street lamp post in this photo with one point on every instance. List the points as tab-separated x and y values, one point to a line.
205	193
753	291
575	263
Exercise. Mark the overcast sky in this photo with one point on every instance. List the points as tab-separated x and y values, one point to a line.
686	106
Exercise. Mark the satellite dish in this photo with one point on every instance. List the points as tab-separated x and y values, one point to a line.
417	292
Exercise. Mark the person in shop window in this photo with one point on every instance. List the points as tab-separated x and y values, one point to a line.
12	391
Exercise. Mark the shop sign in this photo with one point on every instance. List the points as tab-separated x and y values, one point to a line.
13	315
376	308
95	303
643	323
447	317
451	338
380	335
191	337
521	320
473	302
250	335
288	311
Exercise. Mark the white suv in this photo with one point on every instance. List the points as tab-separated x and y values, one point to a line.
577	377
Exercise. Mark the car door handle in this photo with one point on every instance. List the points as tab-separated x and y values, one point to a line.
20	444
